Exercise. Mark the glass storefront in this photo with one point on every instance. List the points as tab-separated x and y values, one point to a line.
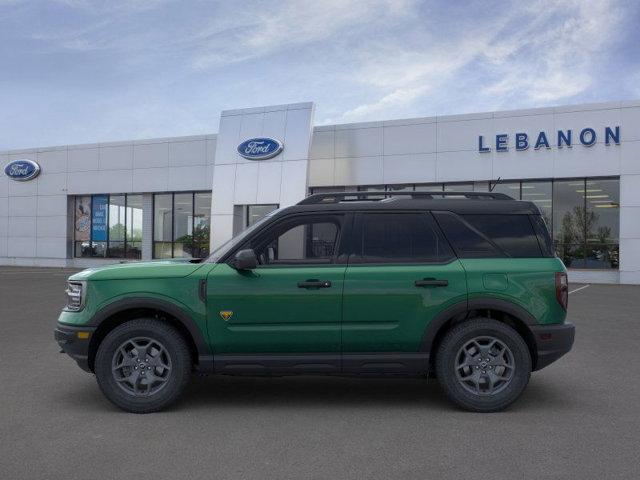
583	215
257	212
181	224
108	226
586	222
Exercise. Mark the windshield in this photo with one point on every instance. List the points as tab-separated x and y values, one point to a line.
232	243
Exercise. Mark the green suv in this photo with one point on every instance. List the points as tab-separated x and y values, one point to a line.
462	286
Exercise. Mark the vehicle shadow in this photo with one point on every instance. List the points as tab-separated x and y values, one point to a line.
307	391
311	392
226	392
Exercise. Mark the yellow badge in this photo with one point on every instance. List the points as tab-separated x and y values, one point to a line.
226	314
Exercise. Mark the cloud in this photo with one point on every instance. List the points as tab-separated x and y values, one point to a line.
255	33
407	76
541	53
552	61
125	69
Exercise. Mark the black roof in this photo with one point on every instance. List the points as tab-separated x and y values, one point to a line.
457	202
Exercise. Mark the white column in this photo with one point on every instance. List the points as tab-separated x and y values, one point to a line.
279	180
630	229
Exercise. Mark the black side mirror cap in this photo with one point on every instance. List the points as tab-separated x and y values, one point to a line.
245	260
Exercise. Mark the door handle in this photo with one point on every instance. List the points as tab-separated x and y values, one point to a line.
314	284
431	282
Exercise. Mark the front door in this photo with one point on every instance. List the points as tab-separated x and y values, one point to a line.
291	303
401	274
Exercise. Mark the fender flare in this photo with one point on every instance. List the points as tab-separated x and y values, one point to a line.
205	357
464	307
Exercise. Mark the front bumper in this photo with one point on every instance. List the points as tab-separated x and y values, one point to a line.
552	342
75	341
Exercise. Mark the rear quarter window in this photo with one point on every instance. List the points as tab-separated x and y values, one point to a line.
513	234
542	231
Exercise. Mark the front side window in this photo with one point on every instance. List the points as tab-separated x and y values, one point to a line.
299	241
401	238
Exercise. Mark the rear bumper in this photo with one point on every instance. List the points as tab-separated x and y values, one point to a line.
552	342
73	345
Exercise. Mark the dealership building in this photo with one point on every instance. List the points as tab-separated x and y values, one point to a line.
91	204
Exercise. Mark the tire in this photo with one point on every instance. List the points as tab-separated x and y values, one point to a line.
473	370
143	365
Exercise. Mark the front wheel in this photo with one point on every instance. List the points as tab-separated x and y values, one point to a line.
143	365
483	365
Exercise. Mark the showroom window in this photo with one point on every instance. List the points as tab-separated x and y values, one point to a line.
108	226
582	215
181	224
257	212
586	222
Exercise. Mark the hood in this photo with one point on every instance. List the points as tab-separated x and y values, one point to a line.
139	270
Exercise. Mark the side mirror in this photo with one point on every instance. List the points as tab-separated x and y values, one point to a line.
245	260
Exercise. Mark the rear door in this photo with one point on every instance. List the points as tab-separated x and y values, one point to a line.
402	273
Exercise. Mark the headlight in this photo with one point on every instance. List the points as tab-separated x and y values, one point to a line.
75	296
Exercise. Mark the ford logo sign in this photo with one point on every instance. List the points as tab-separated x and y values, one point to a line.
22	170
260	148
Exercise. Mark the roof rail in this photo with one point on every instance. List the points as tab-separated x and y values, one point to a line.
338	197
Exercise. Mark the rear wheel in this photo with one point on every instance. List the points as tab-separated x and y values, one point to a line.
143	365
483	365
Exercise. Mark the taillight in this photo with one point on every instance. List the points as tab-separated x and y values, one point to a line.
562	289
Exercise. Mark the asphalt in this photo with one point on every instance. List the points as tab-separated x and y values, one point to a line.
579	418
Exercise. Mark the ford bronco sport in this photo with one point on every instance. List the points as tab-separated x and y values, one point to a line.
463	286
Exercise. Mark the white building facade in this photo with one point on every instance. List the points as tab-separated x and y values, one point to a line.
84	205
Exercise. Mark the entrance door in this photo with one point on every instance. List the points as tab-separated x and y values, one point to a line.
401	274
291	303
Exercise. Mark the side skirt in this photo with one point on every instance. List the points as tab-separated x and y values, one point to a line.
348	364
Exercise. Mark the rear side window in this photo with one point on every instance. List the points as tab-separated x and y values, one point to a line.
401	238
466	241
513	234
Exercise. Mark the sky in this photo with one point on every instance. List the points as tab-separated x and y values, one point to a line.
80	71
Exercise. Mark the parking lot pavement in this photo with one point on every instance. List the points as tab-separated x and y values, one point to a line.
579	418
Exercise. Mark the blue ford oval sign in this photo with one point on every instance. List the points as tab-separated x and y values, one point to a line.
22	170
260	148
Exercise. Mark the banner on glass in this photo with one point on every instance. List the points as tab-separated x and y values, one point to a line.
99	218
